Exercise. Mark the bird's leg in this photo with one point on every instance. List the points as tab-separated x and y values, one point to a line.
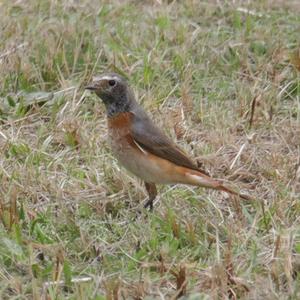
152	193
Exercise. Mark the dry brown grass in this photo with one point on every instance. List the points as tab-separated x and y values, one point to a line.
221	78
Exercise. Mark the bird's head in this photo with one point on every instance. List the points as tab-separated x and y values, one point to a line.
109	87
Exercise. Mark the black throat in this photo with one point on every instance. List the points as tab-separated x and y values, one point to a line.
117	105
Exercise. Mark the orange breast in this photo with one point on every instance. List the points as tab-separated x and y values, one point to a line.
120	121
119	128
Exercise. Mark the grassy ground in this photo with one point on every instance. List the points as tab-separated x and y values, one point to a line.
222	78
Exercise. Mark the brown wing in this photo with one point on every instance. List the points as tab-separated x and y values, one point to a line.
150	138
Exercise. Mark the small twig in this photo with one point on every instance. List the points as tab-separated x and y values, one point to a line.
238	155
276	248
65	90
3	135
61	282
56	93
129	256
48	284
253	106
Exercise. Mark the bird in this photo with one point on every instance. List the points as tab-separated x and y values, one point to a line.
141	147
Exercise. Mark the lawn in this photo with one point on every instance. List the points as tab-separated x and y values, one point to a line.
221	78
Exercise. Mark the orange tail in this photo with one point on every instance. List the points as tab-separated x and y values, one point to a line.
200	179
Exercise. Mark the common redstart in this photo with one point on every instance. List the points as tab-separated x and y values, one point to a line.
140	146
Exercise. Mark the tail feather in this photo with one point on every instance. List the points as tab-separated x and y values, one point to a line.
200	179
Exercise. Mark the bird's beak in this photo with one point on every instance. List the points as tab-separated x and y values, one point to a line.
91	87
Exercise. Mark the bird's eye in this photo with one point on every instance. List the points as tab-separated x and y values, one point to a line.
111	82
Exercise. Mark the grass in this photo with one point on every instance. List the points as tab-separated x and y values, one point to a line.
222	79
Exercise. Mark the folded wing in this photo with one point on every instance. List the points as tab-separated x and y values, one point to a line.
153	140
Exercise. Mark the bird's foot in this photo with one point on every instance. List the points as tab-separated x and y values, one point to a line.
149	204
152	192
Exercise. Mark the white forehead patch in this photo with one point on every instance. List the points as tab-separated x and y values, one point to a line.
106	77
